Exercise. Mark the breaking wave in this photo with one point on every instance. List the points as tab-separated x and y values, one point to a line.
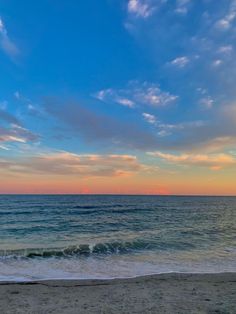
116	247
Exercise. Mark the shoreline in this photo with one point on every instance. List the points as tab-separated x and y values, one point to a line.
114	279
160	293
160	276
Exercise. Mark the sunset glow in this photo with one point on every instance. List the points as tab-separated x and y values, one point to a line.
118	97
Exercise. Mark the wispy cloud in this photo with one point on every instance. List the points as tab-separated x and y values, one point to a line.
199	44
11	129
15	133
140	8
28	106
149	118
217	63
182	6
212	161
180	62
226	22
151	94
179	129
7	45
66	164
206	102
216	144
136	94
110	95
226	49
4	147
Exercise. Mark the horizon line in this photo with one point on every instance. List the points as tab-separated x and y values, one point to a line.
116	194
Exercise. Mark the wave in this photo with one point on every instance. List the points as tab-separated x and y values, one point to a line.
89	210
14	213
116	247
82	249
98	206
81	210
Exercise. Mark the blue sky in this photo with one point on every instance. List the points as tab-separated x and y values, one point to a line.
153	80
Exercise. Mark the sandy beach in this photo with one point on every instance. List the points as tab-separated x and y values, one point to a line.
164	293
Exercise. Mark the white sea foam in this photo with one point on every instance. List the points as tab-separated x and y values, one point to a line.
108	267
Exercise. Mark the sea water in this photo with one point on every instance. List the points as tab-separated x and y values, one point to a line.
108	236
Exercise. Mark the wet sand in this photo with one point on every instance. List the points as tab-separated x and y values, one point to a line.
165	293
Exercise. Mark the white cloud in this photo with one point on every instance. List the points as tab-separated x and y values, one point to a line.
111	95
2	28
140	8
137	93
206	102
181	10
225	49
201	91
182	6
153	95
12	138
217	63
4	147
180	62
227	21
6	43
149	118
101	95
125	102
223	24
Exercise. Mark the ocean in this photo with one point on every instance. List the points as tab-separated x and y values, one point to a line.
114	236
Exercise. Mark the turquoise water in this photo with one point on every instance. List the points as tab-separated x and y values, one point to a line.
65	236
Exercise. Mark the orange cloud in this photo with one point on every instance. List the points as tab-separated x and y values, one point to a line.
64	163
212	161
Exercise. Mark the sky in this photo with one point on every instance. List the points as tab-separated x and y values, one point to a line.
118	96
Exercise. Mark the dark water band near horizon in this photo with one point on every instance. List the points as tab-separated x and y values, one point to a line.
110	236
